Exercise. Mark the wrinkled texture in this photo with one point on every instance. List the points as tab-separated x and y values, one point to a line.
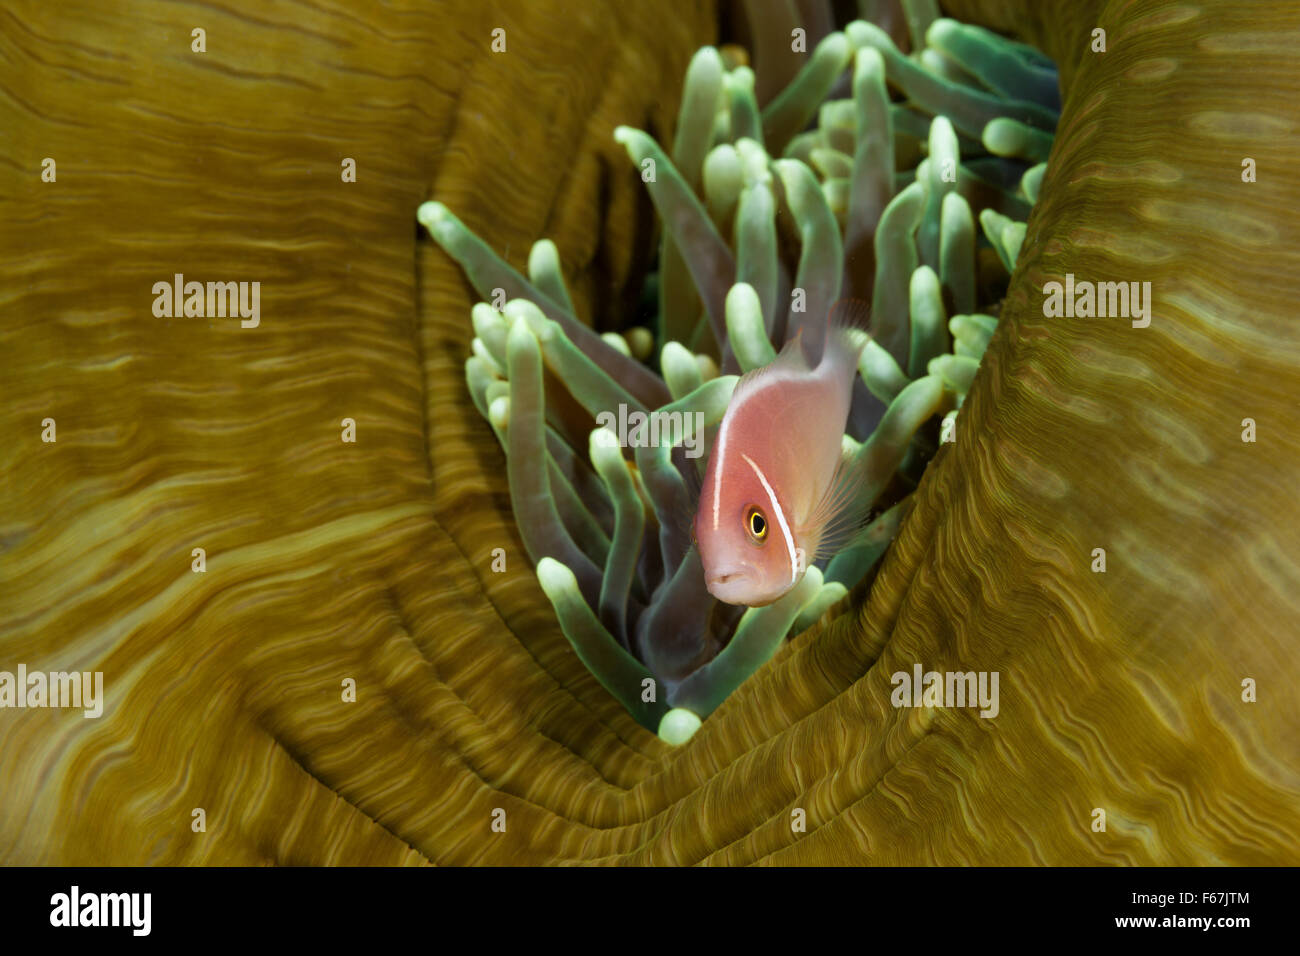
1119	690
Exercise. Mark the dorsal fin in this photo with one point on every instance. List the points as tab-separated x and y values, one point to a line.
790	360
844	315
850	323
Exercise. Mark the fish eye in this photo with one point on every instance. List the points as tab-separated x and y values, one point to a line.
756	523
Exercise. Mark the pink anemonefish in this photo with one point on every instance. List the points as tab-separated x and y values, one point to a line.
775	497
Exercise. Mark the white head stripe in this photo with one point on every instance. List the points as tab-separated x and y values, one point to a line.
718	472
780	518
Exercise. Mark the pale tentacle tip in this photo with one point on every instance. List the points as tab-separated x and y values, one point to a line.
678	726
555	577
499	412
431	213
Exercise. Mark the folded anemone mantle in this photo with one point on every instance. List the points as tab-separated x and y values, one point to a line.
1120	691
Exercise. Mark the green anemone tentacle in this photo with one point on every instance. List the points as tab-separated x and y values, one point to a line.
880	192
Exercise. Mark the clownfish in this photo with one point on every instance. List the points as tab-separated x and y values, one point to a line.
775	496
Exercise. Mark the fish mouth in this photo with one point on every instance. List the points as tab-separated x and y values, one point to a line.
732	585
724	577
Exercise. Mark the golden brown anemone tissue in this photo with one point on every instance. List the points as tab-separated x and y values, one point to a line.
370	561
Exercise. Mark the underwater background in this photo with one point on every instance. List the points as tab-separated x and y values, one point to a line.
363	667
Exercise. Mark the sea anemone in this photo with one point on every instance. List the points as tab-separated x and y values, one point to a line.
1122	691
863	177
